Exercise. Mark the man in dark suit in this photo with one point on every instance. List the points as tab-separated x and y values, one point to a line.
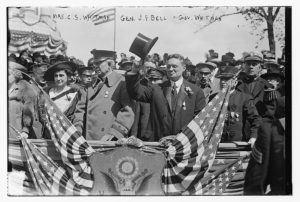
240	108
173	103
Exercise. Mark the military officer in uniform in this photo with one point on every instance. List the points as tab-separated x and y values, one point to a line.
99	106
267	165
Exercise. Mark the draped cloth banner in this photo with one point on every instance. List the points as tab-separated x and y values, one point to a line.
33	29
189	157
193	151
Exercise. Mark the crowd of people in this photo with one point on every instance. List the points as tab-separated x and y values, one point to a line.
154	98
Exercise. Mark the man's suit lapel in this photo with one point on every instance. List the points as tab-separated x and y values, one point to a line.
167	93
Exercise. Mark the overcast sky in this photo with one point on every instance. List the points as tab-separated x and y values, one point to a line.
176	35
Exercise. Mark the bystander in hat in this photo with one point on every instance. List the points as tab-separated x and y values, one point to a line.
213	57
205	73
87	75
125	64
271	64
155	75
207	65
253	56
102	55
273	72
37	58
83	68
228	59
227	72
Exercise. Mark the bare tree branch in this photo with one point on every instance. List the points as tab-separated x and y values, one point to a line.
216	19
276	13
264	14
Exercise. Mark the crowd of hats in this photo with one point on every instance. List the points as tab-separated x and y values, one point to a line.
32	60
212	61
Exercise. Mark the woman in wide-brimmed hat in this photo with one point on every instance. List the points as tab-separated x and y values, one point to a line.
64	95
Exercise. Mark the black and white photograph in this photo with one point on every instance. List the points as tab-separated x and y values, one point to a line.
148	100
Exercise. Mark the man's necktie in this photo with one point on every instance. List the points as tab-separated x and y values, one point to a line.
174	95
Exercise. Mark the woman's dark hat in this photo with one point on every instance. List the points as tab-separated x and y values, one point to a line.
65	65
142	45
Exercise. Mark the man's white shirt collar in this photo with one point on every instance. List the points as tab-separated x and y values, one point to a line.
178	84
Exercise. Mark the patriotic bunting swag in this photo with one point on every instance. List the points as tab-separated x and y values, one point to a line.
193	151
189	156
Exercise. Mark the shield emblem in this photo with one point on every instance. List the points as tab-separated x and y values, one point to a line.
127	171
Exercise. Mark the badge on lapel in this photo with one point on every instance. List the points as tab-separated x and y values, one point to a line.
106	94
183	105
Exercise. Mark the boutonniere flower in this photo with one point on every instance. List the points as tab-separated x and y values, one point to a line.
233	117
183	105
189	91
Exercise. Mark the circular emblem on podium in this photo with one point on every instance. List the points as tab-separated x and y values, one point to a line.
127	167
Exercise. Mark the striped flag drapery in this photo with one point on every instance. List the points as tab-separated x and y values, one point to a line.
76	177
48	177
189	157
193	151
102	15
70	143
217	182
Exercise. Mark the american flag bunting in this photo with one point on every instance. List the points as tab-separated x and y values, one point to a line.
217	182
72	146
193	151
